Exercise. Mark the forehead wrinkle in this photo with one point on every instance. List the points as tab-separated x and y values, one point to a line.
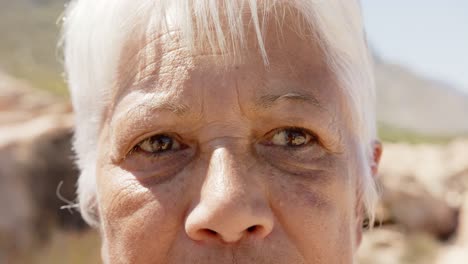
141	58
145	73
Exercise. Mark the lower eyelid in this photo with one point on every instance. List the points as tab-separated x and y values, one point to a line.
138	150
157	164
300	147
296	149
293	158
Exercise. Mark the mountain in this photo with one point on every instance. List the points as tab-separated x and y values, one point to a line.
414	103
28	42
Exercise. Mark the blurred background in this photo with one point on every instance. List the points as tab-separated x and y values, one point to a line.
421	65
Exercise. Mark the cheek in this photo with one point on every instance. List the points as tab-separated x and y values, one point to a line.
138	222
316	216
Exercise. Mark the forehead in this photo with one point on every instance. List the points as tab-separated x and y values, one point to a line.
293	49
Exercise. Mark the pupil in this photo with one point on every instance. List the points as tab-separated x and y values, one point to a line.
162	143
295	138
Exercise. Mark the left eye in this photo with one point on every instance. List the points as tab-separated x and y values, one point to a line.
291	137
159	143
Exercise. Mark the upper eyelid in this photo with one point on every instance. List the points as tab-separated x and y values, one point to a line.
159	135
308	131
173	136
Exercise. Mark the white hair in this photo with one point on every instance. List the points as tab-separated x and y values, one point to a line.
95	32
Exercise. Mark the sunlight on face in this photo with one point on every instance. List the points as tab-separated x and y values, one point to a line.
204	159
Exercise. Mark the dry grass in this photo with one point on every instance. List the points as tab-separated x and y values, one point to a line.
65	247
421	249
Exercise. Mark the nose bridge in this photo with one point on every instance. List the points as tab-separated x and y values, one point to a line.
232	203
228	165
228	186
225	177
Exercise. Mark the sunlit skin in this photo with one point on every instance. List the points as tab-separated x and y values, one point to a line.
206	159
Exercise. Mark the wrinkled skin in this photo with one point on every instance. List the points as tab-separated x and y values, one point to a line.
261	164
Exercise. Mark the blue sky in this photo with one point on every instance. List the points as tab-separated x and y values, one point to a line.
428	36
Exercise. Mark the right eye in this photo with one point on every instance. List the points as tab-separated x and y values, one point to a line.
158	156
158	144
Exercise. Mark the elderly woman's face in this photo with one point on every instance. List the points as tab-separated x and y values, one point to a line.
203	159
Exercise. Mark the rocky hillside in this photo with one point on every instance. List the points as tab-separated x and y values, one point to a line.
423	213
414	103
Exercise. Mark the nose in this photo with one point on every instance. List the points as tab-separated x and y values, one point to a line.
232	205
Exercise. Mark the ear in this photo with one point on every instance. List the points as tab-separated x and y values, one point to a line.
377	149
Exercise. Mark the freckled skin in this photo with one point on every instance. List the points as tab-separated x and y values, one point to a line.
227	197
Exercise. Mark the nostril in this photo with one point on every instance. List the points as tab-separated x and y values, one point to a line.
209	232
256	230
252	229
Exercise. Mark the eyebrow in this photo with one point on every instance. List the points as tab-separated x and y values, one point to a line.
184	111
269	100
152	106
177	108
